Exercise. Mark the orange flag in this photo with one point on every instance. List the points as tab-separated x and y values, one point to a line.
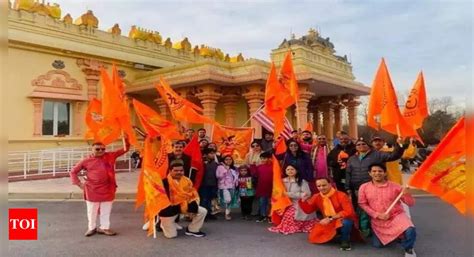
280	201
194	151
309	126
115	106
416	107
444	172
233	141
277	99
180	108
383	103
288	77
98	129
280	146
156	198
154	124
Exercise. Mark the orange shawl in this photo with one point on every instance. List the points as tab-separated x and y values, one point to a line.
182	192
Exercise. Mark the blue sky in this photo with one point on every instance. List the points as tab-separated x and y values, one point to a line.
433	36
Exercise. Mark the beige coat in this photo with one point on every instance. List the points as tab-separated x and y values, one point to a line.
295	192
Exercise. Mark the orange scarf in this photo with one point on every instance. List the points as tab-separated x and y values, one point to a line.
182	192
328	208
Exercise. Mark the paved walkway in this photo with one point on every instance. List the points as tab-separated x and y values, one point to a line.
62	189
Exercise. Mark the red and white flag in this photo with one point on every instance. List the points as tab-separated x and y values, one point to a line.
267	123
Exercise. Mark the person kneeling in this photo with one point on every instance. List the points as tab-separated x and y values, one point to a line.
338	213
184	199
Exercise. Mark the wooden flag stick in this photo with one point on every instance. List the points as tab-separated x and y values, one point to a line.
253	114
154	226
123	142
394	202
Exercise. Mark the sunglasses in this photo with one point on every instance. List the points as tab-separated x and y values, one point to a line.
253	146
321	138
293	145
99	149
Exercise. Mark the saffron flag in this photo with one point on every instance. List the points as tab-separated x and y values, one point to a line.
416	107
180	108
443	173
193	150
115	106
383	103
288	77
277	99
156	198
280	201
154	124
98	129
233	141
280	146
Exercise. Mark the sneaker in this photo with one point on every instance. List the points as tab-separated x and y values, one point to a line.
107	232
146	226
261	219
228	217
365	233
345	246
178	227
410	253
196	234
90	232
269	220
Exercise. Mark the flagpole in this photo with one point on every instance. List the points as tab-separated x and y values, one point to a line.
124	144
154	227
394	202
253	114
298	121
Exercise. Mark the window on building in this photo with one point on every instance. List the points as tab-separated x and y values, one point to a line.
56	118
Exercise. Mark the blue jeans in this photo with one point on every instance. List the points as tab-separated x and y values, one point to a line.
263	206
346	229
408	242
207	193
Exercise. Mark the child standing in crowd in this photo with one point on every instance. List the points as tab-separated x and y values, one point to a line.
227	180
264	175
246	191
208	188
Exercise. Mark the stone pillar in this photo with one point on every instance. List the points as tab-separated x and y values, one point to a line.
328	120
78	118
230	99
37	116
209	98
338	118
352	114
91	69
254	95
163	107
302	106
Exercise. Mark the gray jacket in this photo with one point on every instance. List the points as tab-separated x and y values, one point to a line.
357	172
294	193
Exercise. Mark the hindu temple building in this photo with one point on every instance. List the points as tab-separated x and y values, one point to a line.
55	62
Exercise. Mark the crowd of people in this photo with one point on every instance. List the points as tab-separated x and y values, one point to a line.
339	190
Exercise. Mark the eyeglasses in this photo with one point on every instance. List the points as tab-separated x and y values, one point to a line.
361	144
253	146
99	149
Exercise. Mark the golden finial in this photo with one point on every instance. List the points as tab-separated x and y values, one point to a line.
67	19
115	30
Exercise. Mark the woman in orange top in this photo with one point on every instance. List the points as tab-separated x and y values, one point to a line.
337	211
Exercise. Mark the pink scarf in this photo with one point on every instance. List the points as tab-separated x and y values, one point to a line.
320	162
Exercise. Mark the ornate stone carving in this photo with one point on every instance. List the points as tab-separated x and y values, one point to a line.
58	64
53	11
210	52
91	69
88	20
137	33
183	45
168	43
115	30
56	79
67	19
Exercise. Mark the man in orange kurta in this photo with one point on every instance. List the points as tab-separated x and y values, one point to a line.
338	214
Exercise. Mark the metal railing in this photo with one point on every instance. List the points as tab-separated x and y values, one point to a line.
57	161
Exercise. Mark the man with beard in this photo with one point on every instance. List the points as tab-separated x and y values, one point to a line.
337	160
306	141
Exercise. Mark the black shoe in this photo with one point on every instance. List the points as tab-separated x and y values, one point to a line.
196	234
345	246
261	219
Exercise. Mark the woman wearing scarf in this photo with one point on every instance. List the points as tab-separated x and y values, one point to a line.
338	216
